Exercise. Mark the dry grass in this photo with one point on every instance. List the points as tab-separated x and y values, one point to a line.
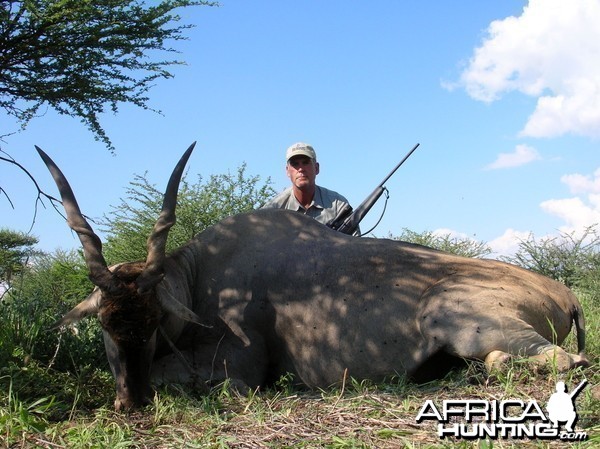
358	415
367	417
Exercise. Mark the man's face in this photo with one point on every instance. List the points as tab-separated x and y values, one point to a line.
302	171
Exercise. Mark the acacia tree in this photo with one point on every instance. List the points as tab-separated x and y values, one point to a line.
15	249
462	246
199	205
571	258
81	56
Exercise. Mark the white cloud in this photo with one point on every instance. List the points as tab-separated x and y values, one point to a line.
508	243
575	212
522	155
581	211
583	183
550	52
578	213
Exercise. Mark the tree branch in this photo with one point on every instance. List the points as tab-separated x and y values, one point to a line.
40	193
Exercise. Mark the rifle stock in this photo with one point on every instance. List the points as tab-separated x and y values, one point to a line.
347	220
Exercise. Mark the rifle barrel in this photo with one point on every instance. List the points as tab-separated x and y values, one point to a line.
399	164
347	220
578	388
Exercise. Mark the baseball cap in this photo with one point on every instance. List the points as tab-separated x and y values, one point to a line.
300	149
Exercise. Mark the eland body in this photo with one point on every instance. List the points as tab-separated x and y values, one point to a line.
271	292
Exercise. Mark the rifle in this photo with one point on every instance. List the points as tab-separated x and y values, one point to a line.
347	220
578	389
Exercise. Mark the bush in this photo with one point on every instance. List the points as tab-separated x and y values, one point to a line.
571	259
199	206
48	289
446	242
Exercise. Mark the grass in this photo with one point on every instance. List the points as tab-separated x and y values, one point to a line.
40	407
360	416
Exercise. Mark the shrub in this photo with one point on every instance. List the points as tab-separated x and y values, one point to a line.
50	287
446	242
569	258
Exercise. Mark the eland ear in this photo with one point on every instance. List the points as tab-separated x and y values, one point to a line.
182	312
174	307
89	306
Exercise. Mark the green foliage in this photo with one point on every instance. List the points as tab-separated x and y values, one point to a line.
590	302
45	374
589	282
570	258
15	250
33	397
80	56
446	242
199	205
50	287
18	418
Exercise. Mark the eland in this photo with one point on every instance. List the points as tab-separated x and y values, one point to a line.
271	292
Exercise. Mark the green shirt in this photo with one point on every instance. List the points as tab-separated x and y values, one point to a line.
324	207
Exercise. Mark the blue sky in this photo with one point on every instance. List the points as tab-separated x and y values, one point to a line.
503	96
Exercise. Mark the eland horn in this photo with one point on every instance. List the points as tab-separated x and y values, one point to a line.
100	275
153	272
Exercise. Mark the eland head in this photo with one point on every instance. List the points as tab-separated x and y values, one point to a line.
126	299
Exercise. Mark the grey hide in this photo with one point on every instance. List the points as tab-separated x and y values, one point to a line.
284	293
